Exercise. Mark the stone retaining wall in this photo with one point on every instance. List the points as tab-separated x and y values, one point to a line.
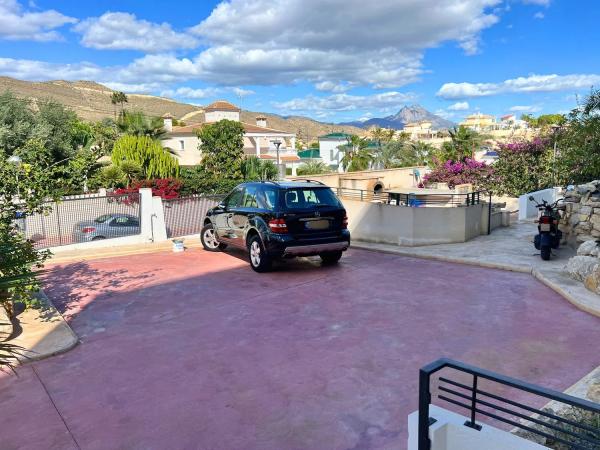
581	227
581	220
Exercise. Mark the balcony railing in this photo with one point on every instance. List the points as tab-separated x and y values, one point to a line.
501	407
415	199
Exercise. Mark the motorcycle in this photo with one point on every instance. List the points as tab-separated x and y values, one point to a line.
549	236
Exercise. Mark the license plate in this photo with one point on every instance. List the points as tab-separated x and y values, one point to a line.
544	227
317	224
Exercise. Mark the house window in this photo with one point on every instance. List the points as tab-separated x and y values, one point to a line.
182	145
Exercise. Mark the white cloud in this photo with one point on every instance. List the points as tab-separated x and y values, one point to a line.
537	2
202	93
331	86
17	24
539	15
525	108
531	83
285	41
346	102
143	75
459	106
240	92
187	92
25	69
444	114
124	31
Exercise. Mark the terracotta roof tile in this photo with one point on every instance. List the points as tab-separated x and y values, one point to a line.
188	129
249	128
222	105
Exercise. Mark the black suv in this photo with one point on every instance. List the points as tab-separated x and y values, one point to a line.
279	220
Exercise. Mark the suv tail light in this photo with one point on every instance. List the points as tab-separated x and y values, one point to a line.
345	222
278	226
88	229
545	219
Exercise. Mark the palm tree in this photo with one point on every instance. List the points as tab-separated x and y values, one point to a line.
464	142
382	135
421	153
254	168
357	156
313	168
118	98
592	102
136	123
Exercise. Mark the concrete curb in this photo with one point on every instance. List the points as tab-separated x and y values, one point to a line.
112	252
44	337
537	274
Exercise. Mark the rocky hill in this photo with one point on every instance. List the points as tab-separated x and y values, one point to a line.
408	114
91	101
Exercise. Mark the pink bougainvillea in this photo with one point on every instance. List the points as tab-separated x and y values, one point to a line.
460	172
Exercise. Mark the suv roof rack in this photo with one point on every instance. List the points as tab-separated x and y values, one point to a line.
270	181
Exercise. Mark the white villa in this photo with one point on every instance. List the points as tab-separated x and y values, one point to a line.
419	130
259	139
329	149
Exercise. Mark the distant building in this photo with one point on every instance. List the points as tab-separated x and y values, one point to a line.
419	130
510	121
479	122
329	149
259	139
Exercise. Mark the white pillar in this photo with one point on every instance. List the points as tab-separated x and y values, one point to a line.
293	142
146	212
257	144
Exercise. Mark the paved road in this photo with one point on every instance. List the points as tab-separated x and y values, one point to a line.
195	351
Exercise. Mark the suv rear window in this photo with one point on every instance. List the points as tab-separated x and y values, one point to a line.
302	198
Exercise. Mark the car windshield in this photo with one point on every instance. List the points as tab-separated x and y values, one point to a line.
103	218
299	198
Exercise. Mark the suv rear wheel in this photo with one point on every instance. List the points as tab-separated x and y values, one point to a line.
259	260
209	239
331	257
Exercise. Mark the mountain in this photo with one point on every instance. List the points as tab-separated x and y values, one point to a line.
91	101
408	114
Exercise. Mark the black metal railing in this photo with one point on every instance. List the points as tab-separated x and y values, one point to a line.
185	215
82	219
414	199
500	408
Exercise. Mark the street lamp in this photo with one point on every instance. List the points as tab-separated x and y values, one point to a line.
17	161
277	144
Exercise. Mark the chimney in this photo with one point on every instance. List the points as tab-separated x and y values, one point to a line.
261	121
168	122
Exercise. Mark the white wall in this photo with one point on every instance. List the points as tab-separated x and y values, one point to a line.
325	148
450	433
215	116
527	209
401	225
190	155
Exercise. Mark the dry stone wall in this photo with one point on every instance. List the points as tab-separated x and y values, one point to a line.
580	225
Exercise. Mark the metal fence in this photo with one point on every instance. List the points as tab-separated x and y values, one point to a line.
489	396
414	199
184	215
82	219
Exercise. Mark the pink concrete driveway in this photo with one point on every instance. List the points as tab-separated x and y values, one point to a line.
196	351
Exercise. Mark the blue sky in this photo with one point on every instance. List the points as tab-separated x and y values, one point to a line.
333	60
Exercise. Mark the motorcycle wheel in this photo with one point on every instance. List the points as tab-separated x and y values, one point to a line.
545	252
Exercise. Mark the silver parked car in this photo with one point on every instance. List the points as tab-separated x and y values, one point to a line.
106	227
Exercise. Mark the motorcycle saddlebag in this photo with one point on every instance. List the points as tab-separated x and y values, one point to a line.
536	241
